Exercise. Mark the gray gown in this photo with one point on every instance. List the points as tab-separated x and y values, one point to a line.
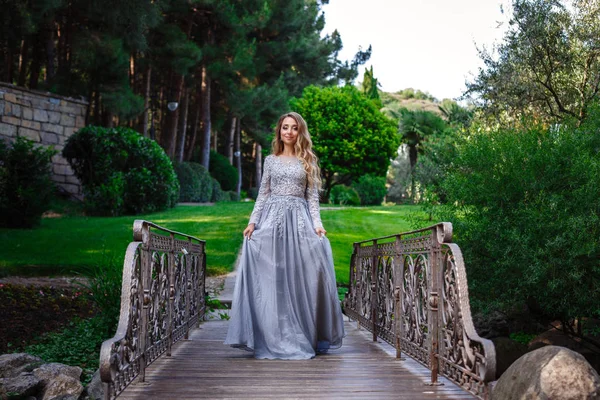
285	301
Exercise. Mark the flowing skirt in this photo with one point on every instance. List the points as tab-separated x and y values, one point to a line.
285	301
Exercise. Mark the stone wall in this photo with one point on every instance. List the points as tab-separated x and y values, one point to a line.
47	119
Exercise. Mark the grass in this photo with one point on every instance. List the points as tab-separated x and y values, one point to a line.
69	244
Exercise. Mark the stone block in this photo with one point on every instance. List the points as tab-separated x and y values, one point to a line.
69	110
67	120
68	131
54	117
8	130
72	179
11	120
59	178
15	111
61	170
30	134
27	113
24	101
40	115
59	147
31	124
49	137
79	121
54	128
11	97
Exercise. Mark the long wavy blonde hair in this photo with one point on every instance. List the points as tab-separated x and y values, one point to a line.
302	148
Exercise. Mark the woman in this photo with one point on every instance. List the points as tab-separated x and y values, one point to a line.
285	301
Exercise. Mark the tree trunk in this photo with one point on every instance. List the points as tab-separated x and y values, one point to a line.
170	137
238	158
230	139
23	61
194	134
206	121
50	55
412	156
183	129
147	104
258	162
36	61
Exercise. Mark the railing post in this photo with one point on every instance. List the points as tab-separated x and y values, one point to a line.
202	293
359	284
398	296
434	290
144	298
187	290
374	290
171	273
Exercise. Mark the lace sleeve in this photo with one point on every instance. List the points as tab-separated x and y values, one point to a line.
312	197
263	192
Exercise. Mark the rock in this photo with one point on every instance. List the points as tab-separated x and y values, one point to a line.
507	352
549	373
20	386
94	390
13	364
63	387
60	381
47	372
494	324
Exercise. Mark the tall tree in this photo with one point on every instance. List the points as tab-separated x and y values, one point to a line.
370	84
350	135
547	65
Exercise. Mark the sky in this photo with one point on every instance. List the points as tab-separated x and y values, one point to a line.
429	45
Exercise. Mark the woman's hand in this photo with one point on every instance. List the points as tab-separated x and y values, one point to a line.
248	231
320	232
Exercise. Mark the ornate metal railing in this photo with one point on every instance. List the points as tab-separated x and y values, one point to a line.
410	290
162	296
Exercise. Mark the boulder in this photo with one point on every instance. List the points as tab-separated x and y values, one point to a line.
494	324
557	337
60	381
507	352
12	365
20	386
94	390
548	373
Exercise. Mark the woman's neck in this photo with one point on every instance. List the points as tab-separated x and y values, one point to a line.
288	152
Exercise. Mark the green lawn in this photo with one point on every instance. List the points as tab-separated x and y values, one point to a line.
64	245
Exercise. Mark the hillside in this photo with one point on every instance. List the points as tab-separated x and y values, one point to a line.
410	99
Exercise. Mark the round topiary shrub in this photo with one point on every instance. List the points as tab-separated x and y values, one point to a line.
344	195
121	171
25	185
371	189
218	194
222	171
205	182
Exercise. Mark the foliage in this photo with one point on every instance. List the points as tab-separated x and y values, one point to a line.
411	93
522	337
194	181
371	189
350	135
217	193
223	171
121	171
344	195
525	206
78	344
25	185
547	65
370	86
399	177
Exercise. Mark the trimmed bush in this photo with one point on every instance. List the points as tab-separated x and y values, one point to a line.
194	181
344	195
525	204
121	171
205	182
217	193
222	171
371	189
25	185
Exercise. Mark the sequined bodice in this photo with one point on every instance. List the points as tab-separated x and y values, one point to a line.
285	178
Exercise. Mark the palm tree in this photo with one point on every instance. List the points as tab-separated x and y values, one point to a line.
415	126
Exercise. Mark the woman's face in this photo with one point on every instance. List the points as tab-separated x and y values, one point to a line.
289	131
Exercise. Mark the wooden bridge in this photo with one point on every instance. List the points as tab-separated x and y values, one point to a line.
408	296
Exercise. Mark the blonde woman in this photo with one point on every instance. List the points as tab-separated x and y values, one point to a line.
285	302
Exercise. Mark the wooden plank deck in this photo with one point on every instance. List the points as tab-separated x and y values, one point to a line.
204	368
